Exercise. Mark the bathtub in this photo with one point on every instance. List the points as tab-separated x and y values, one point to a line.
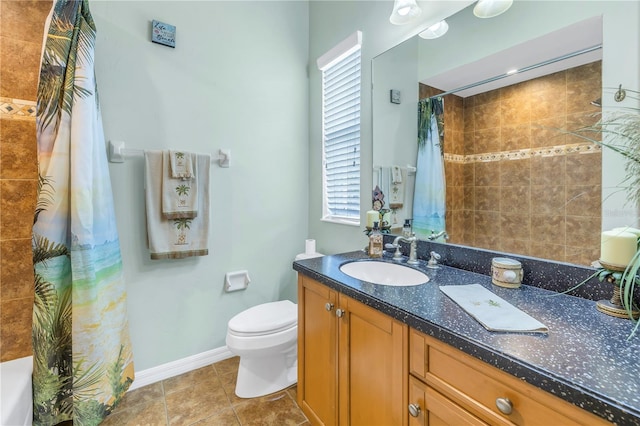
16	406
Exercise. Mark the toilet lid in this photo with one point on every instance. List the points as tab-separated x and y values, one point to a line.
265	318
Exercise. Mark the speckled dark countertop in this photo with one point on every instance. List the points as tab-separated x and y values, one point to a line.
585	358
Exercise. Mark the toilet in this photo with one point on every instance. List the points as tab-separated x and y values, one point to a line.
265	338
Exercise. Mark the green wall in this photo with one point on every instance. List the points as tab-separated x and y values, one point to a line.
237	79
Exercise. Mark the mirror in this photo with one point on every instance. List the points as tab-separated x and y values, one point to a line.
515	182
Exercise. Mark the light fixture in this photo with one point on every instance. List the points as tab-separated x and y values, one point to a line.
404	11
491	8
436	30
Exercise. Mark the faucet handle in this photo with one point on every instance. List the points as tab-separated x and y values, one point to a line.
433	260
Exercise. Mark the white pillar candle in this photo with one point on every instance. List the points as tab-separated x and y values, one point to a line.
629	229
386	219
372	216
618	247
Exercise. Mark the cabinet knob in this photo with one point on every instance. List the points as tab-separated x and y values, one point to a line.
339	313
414	410
328	306
504	405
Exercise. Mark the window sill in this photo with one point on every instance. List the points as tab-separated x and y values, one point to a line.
341	221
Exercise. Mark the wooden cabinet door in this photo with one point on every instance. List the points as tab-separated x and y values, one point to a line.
435	409
372	368
317	352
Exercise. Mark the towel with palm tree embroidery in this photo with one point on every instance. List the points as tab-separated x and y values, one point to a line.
179	191
182	237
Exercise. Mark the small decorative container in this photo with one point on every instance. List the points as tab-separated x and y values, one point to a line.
506	272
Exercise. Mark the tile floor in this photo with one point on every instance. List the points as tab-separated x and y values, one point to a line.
205	397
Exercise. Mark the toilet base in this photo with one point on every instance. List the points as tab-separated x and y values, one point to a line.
259	376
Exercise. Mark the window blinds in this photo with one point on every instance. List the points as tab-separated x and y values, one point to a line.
341	138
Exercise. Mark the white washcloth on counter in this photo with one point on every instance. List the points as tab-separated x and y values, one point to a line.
493	312
181	237
179	195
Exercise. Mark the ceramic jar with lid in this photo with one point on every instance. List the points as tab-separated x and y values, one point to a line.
506	272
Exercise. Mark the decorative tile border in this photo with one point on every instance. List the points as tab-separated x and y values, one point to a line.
17	109
521	154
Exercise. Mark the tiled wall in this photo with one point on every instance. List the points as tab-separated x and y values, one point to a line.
518	184
21	31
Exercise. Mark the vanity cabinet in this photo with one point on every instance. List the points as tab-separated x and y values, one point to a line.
352	360
449	387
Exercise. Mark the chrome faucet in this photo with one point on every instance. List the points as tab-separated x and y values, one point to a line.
413	257
435	236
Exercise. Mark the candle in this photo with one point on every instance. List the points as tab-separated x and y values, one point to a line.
618	247
386	219
629	229
372	216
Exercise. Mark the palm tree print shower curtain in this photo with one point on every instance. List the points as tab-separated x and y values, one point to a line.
429	205
81	348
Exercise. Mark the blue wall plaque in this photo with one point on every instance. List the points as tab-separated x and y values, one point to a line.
162	33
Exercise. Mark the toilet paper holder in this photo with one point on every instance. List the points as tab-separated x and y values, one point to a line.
237	280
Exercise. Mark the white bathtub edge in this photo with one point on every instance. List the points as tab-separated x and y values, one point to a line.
16	407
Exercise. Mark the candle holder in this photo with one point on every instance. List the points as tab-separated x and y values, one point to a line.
614	306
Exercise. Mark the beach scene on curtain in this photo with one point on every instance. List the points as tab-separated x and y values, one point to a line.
429	193
83	362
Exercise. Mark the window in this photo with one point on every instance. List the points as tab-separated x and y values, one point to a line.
341	131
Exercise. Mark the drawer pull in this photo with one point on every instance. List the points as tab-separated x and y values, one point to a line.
504	405
339	313
328	306
414	410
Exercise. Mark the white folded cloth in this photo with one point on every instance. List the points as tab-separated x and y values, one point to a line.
179	195
180	237
493	312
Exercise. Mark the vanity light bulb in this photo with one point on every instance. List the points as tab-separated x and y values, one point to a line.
436	30
404	11
491	8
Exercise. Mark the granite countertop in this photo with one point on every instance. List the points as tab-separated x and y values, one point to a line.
586	358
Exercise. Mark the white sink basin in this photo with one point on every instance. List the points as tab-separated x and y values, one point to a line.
384	273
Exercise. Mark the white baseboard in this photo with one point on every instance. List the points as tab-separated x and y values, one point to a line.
180	366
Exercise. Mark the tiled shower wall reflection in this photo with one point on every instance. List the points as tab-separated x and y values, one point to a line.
21	31
515	183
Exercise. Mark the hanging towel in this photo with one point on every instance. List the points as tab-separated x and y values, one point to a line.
396	174
182	237
182	164
396	192
384	183
179	195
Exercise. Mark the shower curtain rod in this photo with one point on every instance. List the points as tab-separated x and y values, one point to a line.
521	70
117	154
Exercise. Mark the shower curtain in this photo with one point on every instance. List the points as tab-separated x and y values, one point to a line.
82	359
429	193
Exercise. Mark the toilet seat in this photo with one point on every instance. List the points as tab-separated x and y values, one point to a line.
267	318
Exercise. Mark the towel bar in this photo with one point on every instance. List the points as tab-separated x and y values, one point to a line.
117	154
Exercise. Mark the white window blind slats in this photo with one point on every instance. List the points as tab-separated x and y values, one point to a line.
341	138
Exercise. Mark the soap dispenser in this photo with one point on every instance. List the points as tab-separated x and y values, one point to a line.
375	242
406	228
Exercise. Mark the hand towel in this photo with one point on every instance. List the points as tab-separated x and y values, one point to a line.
396	174
181	164
396	190
181	237
179	195
493	312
